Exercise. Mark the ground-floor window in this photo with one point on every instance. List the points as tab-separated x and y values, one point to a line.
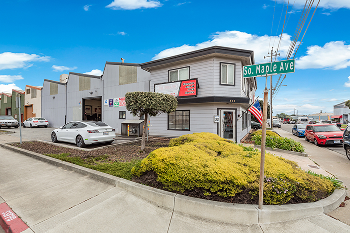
122	114
179	120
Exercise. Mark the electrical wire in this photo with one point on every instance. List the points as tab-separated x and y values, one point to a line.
277	88
273	18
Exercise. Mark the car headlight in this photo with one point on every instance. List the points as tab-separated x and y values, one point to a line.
321	136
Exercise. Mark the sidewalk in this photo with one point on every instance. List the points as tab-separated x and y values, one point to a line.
51	199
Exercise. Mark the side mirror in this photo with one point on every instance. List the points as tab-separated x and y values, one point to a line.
61	127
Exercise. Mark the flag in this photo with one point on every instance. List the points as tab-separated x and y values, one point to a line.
255	109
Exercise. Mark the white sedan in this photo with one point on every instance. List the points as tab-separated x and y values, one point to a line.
35	122
84	133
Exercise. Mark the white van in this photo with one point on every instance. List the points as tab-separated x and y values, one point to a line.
303	120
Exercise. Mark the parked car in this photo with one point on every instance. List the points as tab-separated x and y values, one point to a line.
299	130
346	141
292	122
84	133
35	122
8	121
276	123
324	134
255	125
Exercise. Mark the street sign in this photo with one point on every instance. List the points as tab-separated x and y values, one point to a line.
272	68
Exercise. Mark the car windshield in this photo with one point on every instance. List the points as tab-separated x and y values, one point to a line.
301	126
6	118
96	123
39	119
326	128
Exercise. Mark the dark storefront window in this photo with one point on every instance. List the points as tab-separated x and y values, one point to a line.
179	120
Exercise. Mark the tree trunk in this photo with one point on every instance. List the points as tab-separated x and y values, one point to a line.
144	133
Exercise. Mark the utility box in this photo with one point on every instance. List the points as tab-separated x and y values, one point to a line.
135	128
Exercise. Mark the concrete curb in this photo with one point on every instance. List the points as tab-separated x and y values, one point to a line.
284	151
204	209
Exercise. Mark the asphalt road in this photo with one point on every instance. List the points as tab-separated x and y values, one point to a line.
336	148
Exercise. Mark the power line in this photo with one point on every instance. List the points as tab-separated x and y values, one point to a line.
273	18
310	6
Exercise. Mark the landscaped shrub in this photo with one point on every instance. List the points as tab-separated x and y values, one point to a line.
268	133
280	143
218	166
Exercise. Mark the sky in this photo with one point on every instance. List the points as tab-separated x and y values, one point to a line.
42	39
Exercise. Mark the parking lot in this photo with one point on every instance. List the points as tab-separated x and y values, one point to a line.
44	134
337	148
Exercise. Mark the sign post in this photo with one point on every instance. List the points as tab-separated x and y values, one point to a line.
259	70
18	105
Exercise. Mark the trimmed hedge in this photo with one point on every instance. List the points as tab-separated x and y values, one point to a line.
218	166
280	143
268	133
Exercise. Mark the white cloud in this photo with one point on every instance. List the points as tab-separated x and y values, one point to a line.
347	84
86	7
10	60
235	39
10	78
122	33
95	72
8	88
182	3
265	6
133	4
328	4
333	55
62	68
288	108
326	13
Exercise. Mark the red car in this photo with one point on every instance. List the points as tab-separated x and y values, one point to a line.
324	134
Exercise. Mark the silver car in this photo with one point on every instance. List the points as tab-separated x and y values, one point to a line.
8	121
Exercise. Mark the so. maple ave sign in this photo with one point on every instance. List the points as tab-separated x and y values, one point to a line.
272	68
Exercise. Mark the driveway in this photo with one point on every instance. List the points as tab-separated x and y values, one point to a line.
30	134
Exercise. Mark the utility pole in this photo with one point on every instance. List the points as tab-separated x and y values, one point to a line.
272	54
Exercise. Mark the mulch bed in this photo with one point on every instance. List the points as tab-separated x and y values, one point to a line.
121	153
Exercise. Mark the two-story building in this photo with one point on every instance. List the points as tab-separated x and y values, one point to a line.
212	94
32	103
341	113
8	104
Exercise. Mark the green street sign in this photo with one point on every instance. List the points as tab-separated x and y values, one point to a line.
272	68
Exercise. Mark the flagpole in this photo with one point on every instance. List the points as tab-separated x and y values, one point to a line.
248	107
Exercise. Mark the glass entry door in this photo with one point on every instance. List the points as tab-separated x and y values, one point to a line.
228	124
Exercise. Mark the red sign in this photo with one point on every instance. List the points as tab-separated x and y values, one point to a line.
178	89
188	88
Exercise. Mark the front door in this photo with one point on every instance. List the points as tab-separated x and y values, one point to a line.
228	124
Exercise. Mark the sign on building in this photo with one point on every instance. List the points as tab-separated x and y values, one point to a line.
179	88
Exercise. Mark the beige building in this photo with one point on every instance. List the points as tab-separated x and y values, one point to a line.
32	104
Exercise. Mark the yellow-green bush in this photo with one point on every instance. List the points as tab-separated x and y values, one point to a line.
269	133
218	166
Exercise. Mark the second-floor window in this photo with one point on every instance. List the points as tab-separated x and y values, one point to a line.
227	74
179	74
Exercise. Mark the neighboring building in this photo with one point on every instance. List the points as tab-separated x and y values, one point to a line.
212	94
8	104
321	116
32	107
5	104
341	113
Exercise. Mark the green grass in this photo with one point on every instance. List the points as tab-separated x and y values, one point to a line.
337	184
344	126
100	163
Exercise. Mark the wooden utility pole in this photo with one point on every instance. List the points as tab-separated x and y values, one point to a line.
263	140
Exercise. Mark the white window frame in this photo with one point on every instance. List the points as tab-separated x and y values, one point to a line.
234	75
178	74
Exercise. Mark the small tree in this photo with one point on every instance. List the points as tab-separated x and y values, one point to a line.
149	103
347	103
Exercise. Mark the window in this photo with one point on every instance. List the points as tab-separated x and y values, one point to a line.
5	99
33	95
28	91
244	120
179	74
227	74
179	120
122	114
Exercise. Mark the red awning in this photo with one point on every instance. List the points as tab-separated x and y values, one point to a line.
337	116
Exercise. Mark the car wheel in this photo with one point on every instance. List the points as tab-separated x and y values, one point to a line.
24	125
45	126
347	151
315	142
80	141
30	125
109	142
54	137
306	139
